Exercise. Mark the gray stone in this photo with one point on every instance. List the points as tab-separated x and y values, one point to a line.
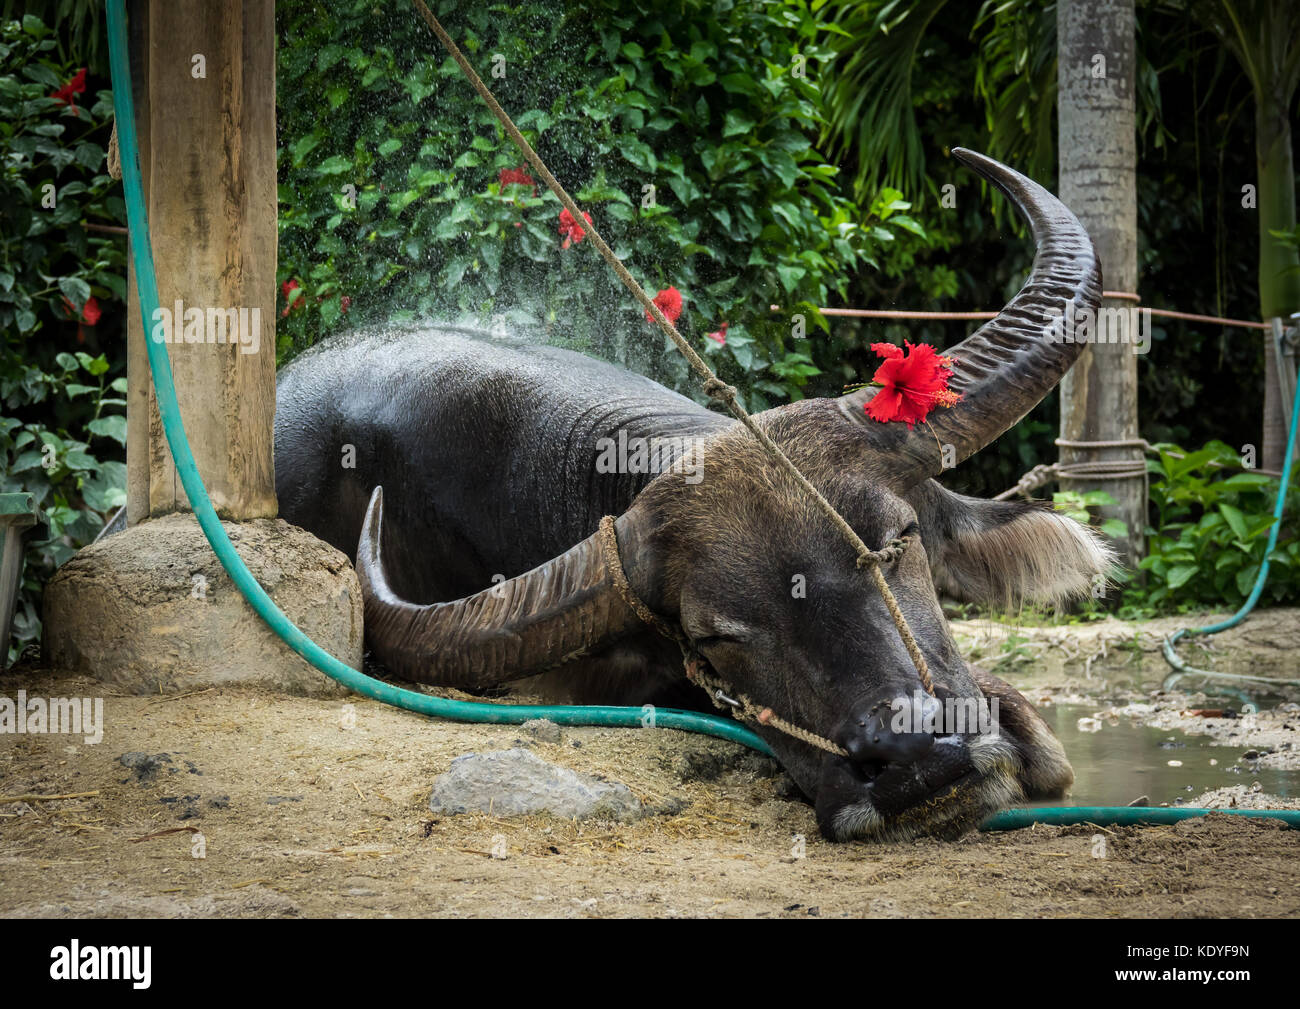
542	729
518	782
152	610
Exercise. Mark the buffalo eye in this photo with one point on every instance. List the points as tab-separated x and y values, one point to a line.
711	641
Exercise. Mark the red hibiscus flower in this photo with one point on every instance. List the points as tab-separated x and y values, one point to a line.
572	231
669	301
287	288
88	316
89	313
516	177
345	303
68	93
720	335
912	384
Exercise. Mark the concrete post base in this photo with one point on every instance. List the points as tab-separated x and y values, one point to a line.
151	609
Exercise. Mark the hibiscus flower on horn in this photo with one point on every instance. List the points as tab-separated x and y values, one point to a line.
912	383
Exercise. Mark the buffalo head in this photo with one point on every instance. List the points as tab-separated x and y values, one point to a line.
768	592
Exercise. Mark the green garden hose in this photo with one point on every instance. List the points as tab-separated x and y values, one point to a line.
1181	668
1123	816
290	634
281	625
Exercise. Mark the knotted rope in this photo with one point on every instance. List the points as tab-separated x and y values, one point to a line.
1114	469
713	386
114	155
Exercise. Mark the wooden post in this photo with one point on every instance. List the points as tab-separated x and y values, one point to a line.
1098	164
207	107
139	391
151	608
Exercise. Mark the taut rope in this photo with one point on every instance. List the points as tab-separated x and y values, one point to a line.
713	386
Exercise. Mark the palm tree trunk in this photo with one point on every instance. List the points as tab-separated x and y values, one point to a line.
1098	164
1264	36
1279	265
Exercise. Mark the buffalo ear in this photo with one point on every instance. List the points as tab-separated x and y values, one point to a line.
1003	553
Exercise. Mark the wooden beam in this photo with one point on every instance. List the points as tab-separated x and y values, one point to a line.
211	189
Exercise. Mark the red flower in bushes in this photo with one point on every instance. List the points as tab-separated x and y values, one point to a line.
572	231
516	177
345	303
68	93
912	384
669	301
88	316
89	313
720	335
287	288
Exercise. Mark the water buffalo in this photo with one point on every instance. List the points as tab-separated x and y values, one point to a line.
482	563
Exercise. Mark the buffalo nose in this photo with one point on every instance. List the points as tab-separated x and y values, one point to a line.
889	730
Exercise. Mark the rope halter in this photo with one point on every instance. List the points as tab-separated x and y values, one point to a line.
697	667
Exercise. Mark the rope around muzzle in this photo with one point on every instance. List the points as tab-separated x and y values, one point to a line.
714	387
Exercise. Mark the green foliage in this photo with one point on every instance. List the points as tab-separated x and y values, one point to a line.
998	96
875	45
78	28
715	106
1078	506
62	432
1211	524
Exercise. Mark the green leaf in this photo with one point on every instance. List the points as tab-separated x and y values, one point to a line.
907	224
335	165
737	123
304	146
639	154
1235	519
95	365
790	276
742	84
1115	528
112	426
80	459
75	290
1246	579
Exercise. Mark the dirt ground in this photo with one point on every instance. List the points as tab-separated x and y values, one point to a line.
297	814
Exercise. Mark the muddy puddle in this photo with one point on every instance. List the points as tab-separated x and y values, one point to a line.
1132	731
1116	764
